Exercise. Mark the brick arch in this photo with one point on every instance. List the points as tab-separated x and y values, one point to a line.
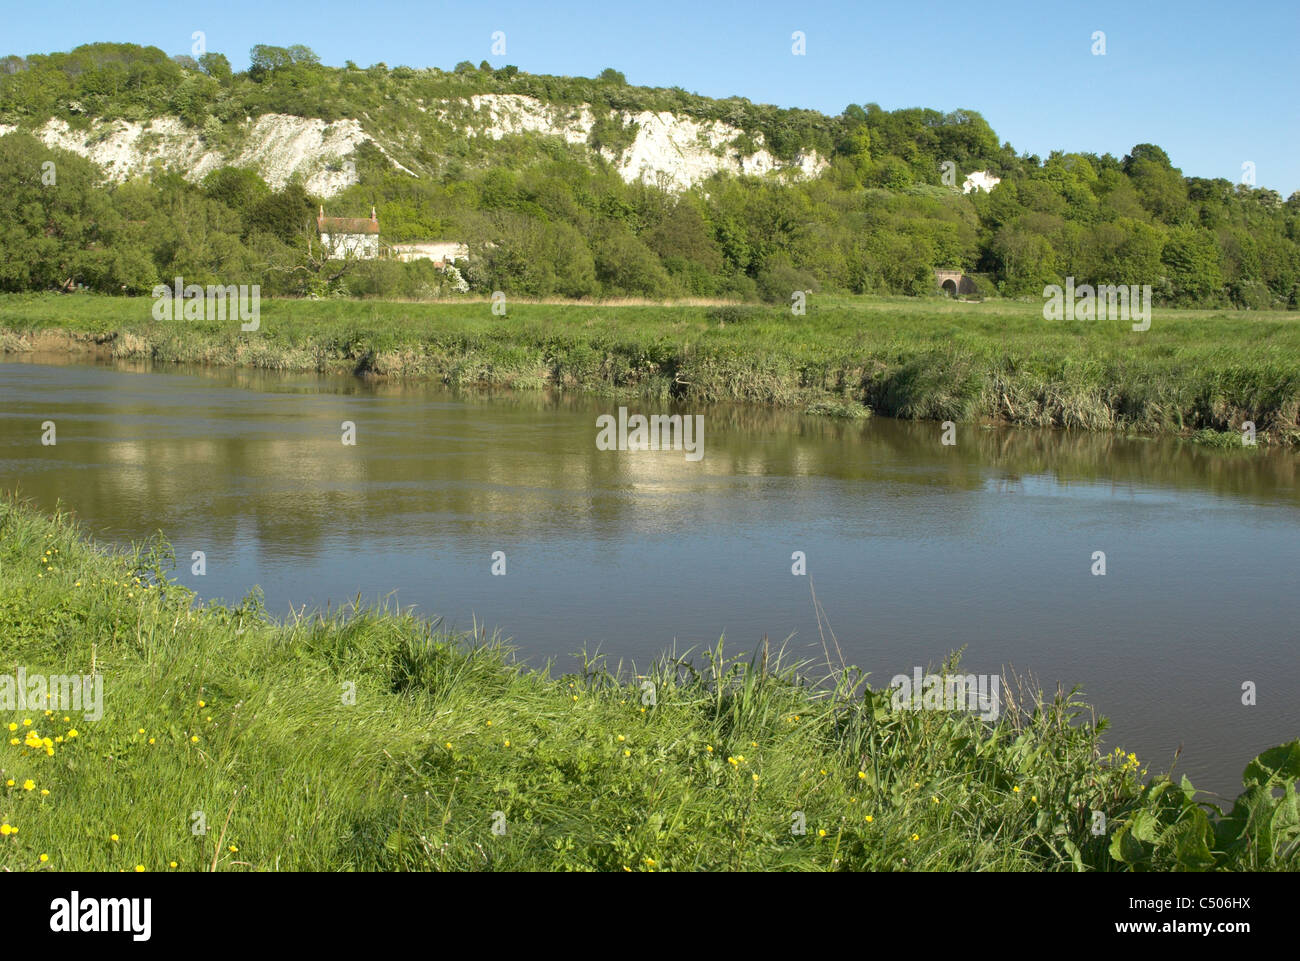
954	282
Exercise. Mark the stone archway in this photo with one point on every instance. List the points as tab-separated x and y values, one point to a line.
953	282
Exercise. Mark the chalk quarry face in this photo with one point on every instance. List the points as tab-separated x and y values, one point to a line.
674	151
980	180
677	151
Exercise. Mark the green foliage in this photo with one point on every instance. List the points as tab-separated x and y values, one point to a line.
911	357
1170	830
371	739
216	66
54	223
611	133
879	221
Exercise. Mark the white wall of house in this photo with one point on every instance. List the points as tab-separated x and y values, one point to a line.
439	251
359	246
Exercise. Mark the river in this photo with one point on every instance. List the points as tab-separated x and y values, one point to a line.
914	548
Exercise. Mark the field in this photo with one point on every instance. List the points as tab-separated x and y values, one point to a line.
1199	373
371	740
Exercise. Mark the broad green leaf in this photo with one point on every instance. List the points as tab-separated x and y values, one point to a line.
1276	764
1126	850
1145	826
1189	840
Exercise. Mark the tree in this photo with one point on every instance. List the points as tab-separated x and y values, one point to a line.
303	55
1191	258
50	230
216	66
242	190
287	215
263	59
1126	251
625	265
685	234
1159	186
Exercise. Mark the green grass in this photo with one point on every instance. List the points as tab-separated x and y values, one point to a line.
223	711
1191	372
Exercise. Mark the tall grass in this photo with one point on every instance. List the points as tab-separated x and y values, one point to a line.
1193	371
369	739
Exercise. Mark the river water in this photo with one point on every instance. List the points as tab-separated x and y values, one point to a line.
914	548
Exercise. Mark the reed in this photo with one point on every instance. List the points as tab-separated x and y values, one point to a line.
1194	373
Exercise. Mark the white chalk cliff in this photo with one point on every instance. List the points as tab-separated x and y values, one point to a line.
675	151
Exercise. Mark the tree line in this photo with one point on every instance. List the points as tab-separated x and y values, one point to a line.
547	218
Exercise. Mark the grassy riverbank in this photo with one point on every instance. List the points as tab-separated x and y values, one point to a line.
254	724
1192	372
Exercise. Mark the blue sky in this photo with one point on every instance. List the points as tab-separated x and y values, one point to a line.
1215	84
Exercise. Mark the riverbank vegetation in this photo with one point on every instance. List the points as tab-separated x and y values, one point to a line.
1199	373
544	217
373	740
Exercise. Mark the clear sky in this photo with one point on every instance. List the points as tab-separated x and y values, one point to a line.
1214	84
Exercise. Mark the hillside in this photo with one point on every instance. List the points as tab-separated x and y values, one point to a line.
580	188
666	149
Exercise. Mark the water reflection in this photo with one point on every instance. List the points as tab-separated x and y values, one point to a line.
916	548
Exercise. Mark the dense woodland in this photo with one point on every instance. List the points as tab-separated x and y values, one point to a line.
546	218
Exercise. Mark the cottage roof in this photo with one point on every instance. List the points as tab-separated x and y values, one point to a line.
347	225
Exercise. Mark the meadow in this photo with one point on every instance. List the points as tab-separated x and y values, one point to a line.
1197	373
370	739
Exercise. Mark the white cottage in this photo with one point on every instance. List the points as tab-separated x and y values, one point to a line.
349	237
